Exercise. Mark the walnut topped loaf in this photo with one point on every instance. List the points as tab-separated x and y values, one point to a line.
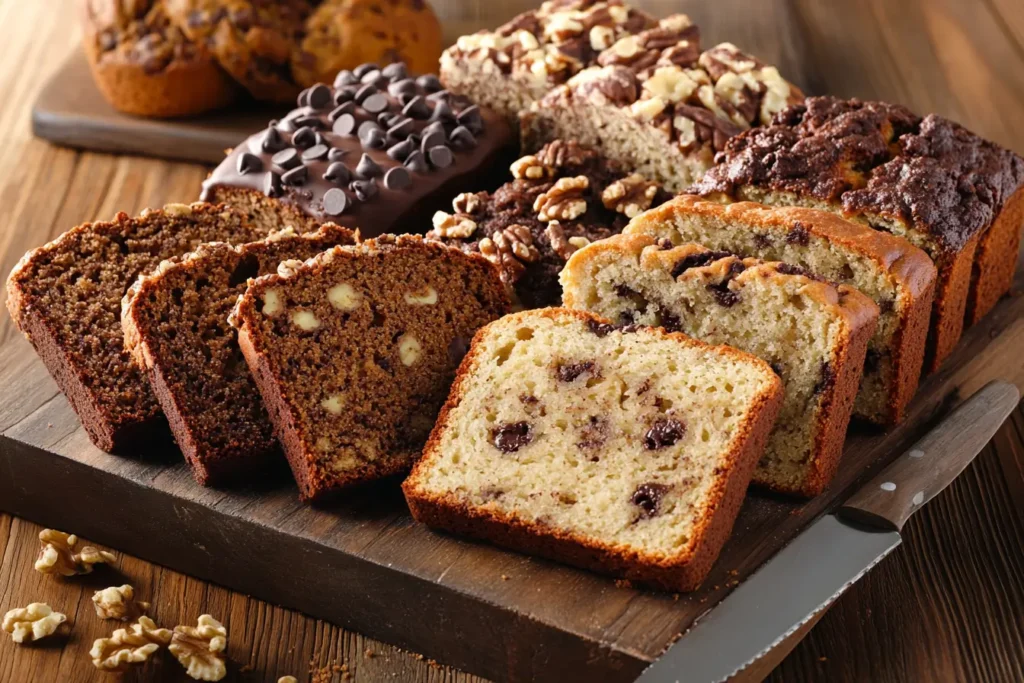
560	199
380	151
625	451
947	191
657	104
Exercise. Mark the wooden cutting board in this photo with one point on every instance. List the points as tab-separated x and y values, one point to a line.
364	564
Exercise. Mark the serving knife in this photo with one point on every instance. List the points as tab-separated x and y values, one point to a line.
809	574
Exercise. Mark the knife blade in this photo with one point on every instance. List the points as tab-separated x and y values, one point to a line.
814	569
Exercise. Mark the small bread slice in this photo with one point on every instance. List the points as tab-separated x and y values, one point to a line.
175	322
813	334
354	351
622	450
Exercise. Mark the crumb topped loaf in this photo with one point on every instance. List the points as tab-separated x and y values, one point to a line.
813	334
66	298
622	450
175	322
379	151
560	199
898	276
659	105
354	350
947	191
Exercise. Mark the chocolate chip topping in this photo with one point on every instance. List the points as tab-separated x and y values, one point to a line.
249	163
367	167
286	158
397	178
663	433
319	96
511	436
648	497
337	173
335	202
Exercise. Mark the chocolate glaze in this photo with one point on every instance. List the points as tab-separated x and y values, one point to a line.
315	138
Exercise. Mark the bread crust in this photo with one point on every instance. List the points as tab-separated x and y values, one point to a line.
995	261
908	266
683	571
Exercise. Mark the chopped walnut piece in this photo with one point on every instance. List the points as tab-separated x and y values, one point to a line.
531	168
467	202
629	195
563	247
59	554
601	37
511	268
118	602
127	646
561	154
458	226
519	241
671	84
564	201
29	624
200	648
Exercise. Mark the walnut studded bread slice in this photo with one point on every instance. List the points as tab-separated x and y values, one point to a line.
898	276
813	334
66	298
659	106
354	350
176	329
622	450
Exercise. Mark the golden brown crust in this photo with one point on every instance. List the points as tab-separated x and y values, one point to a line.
683	571
951	289
996	259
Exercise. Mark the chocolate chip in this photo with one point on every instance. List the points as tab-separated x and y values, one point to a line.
308	120
431	139
406	85
406	97
364	92
435	127
315	153
364	68
303	98
370	76
798	235
249	163
272	185
296	177
594	434
336	154
828	378
567	372
397	178
625	291
363	189
598	328
776	368
648	497
344	108
286	158
366	127
345	124
401	129
272	141
442	112
439	95
417	162
367	167
394	71
319	96
304	137
374	139
338	173
345	78
417	108
470	118
511	436
343	96
669	322
440	157
761	240
723	295
663	433
697	261
790	269
400	151
429	82
387	118
375	103
461	138
335	202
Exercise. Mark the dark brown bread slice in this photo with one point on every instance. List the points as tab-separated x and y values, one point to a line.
66	298
176	329
354	350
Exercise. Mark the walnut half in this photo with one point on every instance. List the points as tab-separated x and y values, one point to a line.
564	201
629	195
127	646
200	648
118	602
60	554
29	624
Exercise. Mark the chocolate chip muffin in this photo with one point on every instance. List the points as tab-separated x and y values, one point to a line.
561	198
145	65
342	34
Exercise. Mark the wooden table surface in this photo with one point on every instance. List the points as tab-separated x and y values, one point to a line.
946	606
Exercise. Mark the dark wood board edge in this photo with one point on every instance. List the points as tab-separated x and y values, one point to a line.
351	592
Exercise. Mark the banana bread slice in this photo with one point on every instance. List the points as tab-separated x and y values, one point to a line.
944	189
622	450
660	106
354	350
176	329
898	276
66	298
813	334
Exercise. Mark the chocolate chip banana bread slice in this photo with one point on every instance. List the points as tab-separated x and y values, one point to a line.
622	450
561	198
898	276
354	350
813	334
660	106
66	298
945	190
175	322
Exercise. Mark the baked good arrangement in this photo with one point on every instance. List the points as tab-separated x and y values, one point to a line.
171	58
711	274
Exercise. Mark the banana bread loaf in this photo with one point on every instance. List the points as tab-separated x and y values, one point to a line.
66	298
354	350
813	334
622	450
175	322
898	276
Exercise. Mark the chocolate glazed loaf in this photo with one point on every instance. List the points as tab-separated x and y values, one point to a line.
379	151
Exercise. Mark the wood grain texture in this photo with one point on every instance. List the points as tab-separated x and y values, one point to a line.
945	606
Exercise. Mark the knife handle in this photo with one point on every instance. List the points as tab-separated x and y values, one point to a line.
931	464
